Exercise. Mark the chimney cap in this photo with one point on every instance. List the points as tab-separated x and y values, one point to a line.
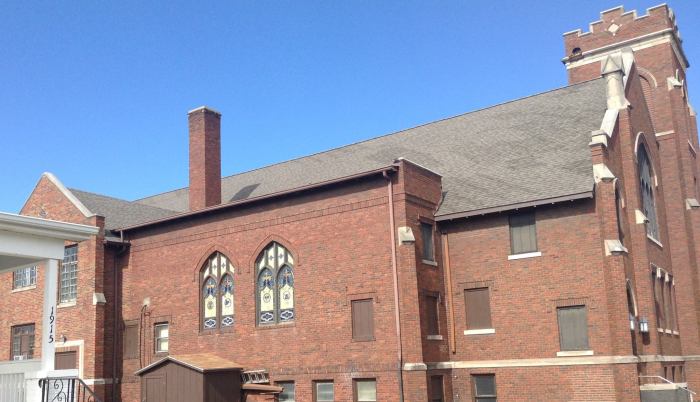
205	109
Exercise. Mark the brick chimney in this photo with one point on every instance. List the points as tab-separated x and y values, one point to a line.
205	157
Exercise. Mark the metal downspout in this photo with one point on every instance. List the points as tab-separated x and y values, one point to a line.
390	189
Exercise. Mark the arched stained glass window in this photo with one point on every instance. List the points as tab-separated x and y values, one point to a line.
647	185
275	285
216	276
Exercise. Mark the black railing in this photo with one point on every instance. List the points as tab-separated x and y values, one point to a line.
66	389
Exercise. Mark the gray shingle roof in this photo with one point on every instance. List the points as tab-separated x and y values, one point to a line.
529	149
119	213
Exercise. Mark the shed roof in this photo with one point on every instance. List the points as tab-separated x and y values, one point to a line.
529	149
203	362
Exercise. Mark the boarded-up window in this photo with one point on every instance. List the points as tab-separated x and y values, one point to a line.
658	301
573	328
323	391
362	320
478	308
674	308
365	390
484	387
436	391
131	340
66	360
426	230
523	237
432	316
22	342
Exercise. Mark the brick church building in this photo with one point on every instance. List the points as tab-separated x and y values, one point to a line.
544	249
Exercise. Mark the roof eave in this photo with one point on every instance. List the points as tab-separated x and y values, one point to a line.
511	207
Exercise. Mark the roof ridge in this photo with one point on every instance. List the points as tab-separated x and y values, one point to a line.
387	135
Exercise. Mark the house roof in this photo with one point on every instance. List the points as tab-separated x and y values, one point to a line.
119	213
514	153
203	362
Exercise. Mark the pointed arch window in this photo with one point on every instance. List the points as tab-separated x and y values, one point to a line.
217	289
275	285
646	185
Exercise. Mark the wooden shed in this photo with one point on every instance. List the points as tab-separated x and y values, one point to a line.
191	378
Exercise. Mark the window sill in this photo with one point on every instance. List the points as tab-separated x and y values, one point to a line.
67	304
434	337
484	331
363	340
430	262
525	255
275	326
24	289
653	240
676	333
572	353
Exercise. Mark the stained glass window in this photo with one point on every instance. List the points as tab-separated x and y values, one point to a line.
647	185
275	293
217	292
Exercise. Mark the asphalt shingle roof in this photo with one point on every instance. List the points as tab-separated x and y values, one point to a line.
528	149
119	213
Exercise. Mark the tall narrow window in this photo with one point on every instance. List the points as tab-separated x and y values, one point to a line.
323	391
426	230
658	299
484	387
478	308
131	340
365	390
436	391
362	320
674	307
24	277
646	186
217	287
68	291
573	328
161	333
523	236
275	285
620	214
432	316
22	342
288	391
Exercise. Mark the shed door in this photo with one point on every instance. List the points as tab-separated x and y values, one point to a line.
153	389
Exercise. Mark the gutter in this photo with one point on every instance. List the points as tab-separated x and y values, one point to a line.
260	198
509	207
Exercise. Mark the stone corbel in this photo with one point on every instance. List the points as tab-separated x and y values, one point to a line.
640	218
614	247
691	203
602	173
406	235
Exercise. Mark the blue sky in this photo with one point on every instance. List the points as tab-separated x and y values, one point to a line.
97	92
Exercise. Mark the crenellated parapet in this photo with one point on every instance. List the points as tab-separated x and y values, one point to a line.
618	29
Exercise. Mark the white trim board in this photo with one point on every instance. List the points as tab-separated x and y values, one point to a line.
559	361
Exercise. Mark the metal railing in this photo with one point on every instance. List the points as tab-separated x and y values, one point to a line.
255	377
66	389
678	386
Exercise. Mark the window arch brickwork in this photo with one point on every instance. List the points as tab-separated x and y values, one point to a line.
274	269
